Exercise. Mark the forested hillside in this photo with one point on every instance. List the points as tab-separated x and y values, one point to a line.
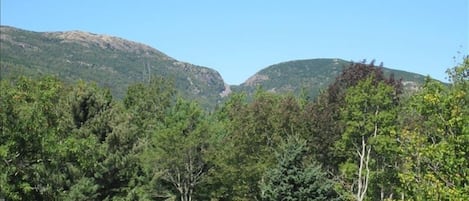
360	139
109	61
116	63
310	76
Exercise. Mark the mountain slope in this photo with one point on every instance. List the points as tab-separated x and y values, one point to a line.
311	75
109	61
116	63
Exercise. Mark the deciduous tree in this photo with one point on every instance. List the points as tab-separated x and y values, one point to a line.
369	116
179	147
435	140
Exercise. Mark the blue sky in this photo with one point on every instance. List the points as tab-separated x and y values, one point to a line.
239	38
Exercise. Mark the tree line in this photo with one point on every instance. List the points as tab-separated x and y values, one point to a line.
362	138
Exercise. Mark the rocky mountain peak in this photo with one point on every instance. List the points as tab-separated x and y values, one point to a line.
103	41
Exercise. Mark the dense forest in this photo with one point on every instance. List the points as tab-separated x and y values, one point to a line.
362	138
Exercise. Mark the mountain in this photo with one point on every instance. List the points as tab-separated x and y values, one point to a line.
116	63
311	75
109	61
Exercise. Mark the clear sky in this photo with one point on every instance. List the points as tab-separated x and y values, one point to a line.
240	37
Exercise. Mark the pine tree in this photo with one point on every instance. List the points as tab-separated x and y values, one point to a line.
294	179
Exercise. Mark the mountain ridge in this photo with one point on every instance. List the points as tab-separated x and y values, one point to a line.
107	60
117	62
296	75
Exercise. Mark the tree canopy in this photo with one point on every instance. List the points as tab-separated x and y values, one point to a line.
362	138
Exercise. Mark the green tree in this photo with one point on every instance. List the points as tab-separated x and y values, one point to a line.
68	143
102	147
248	141
116	165
323	116
29	164
435	140
294	178
180	144
250	131
148	103
147	106
370	118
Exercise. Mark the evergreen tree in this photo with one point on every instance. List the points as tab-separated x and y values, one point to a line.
294	179
147	103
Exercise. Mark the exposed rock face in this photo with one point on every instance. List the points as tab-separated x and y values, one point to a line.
256	79
4	37
411	86
103	41
227	91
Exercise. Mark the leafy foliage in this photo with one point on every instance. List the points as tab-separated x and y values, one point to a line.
180	148
255	129
29	119
435	140
369	139
359	140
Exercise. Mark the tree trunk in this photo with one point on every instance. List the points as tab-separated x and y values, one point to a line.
363	179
